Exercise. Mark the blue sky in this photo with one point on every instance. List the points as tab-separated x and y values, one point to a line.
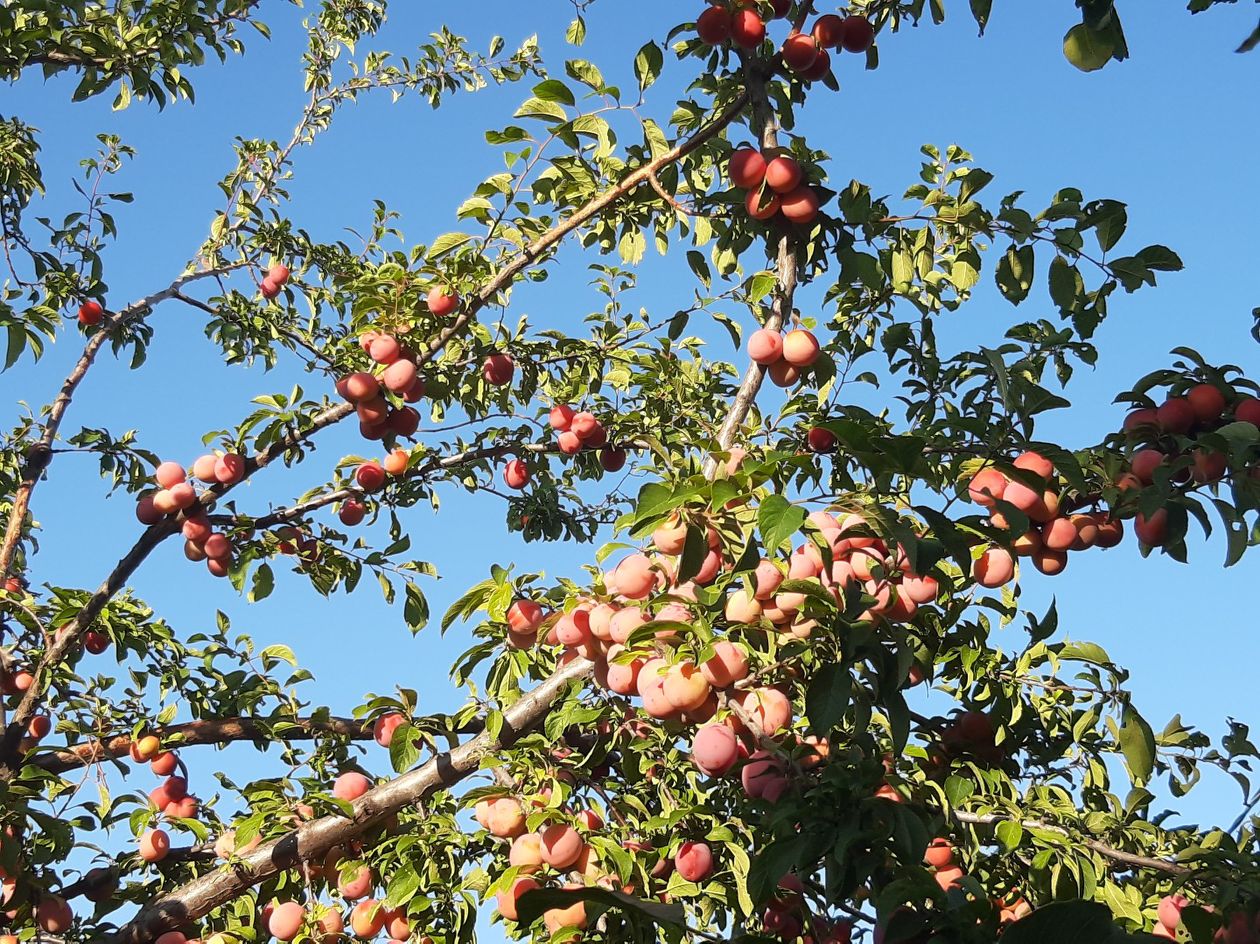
1169	132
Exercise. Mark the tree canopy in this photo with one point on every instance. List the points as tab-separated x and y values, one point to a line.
719	732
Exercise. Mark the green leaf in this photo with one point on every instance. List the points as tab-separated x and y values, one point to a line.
1089	50
1137	741
403	885
1015	273
981	9
827	697
1010	834
447	243
777	520
553	90
647	64
533	903
1081	922
405	747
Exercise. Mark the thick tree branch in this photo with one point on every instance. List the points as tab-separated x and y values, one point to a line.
207	731
313	840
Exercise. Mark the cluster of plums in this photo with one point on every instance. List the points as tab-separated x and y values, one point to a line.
784	355
381	401
1238	927
578	430
558	846
170	798
274	281
804	53
633	658
775	185
1053	533
1163	442
176	495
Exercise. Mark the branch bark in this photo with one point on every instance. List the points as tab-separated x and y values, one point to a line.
207	731
313	840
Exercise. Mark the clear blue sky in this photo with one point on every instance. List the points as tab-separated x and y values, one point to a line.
1170	132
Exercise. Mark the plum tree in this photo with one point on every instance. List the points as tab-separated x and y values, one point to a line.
717	729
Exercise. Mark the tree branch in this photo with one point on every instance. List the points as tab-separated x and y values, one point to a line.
39	456
206	731
1109	852
313	840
